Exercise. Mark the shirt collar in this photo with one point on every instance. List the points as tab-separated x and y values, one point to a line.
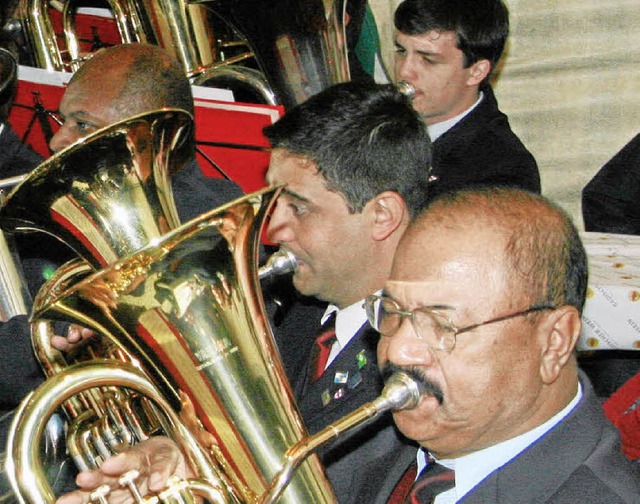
349	320
438	129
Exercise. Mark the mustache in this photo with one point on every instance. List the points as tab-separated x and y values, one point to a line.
425	385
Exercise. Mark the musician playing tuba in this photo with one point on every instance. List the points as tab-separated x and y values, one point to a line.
354	159
117	83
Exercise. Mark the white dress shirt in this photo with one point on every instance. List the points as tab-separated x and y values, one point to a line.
349	320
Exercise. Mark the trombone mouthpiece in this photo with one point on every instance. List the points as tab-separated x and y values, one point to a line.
406	89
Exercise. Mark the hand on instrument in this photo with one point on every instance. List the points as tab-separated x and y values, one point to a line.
75	335
190	420
156	460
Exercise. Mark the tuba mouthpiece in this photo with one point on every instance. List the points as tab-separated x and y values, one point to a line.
279	263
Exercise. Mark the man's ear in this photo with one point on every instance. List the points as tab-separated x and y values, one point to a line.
560	333
478	72
389	212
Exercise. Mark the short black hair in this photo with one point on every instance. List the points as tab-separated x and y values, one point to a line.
365	138
481	26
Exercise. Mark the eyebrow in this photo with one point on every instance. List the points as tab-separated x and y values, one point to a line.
295	195
82	116
418	51
430	307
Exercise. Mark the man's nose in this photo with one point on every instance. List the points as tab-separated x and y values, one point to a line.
405	348
279	229
62	138
404	68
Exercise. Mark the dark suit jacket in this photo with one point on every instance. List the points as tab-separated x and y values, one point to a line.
362	466
16	158
611	200
482	150
578	461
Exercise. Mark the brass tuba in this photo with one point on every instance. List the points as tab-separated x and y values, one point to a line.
187	309
299	48
187	32
105	197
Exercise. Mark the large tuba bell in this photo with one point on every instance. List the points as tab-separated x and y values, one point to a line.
109	194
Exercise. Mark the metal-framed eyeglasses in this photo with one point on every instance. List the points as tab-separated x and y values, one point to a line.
430	323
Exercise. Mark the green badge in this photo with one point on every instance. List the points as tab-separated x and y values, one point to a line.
362	359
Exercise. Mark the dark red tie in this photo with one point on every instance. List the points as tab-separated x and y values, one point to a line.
433	480
402	488
324	342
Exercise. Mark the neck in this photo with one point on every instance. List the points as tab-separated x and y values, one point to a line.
465	103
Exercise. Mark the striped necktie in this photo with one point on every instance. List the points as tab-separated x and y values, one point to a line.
433	480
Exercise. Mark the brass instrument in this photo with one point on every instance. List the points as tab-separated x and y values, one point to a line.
85	194
14	295
186	308
105	197
299	49
184	31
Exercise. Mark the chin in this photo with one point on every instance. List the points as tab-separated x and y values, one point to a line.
301	283
425	421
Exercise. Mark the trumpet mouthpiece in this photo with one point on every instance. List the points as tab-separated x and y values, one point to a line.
401	391
406	89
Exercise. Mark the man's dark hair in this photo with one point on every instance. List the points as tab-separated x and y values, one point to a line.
544	253
481	26
364	138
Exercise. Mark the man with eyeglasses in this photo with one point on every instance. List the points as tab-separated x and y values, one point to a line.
483	309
